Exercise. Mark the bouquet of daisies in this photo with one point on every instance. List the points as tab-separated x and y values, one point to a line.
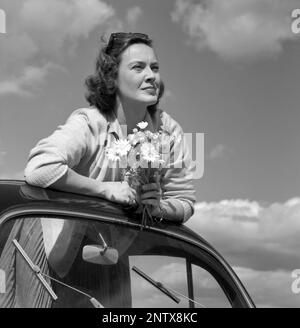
142	157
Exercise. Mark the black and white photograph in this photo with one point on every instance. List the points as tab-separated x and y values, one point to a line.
149	155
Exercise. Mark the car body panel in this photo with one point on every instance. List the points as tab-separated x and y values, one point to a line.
20	199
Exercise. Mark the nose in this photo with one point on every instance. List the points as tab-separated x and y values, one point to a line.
149	75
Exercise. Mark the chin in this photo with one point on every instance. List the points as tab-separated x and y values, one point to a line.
149	101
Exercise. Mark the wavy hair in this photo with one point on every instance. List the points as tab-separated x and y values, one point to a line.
101	86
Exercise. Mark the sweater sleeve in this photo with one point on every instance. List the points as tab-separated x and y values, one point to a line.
177	183
49	160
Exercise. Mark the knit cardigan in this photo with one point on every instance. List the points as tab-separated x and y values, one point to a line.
81	142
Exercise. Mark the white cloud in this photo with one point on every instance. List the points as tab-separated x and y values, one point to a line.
42	31
55	21
218	151
114	25
128	24
44	27
264	240
268	235
231	208
133	14
52	23
237	30
269	288
26	83
15	51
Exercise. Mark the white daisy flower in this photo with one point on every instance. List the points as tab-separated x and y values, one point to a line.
148	134
141	137
155	136
112	154
122	147
130	137
149	152
142	125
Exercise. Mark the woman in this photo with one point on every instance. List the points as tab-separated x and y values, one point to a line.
124	90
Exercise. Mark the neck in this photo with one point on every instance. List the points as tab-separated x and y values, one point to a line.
133	113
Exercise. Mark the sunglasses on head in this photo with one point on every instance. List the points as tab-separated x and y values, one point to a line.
119	36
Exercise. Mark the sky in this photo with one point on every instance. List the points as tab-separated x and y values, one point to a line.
231	71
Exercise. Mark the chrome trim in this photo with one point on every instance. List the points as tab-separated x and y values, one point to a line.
16	212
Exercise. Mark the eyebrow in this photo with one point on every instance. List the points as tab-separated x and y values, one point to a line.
141	62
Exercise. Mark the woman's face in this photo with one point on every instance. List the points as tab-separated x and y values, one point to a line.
138	75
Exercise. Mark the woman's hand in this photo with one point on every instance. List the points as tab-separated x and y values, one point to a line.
151	195
120	192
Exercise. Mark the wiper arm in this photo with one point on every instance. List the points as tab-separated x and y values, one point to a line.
96	303
157	284
39	274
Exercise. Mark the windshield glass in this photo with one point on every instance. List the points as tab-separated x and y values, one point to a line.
59	262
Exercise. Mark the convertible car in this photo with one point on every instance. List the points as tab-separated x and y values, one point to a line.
60	249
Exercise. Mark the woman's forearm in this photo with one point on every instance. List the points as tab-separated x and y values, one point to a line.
79	184
170	210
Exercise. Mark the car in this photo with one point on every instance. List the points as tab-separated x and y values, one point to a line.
59	249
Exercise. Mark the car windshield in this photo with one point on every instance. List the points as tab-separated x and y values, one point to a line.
70	262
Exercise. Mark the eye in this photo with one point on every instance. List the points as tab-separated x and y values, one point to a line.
137	67
155	68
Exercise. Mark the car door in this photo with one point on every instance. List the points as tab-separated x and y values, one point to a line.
72	259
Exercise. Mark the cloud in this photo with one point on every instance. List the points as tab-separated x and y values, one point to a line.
114	25
263	240
133	14
15	51
45	27
52	23
217	152
42	31
269	288
237	30
129	24
27	82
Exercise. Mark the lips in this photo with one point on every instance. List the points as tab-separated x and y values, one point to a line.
149	88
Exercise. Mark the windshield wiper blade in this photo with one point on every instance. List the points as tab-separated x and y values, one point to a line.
36	269
166	288
156	284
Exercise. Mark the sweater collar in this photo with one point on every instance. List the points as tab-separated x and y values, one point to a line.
117	122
